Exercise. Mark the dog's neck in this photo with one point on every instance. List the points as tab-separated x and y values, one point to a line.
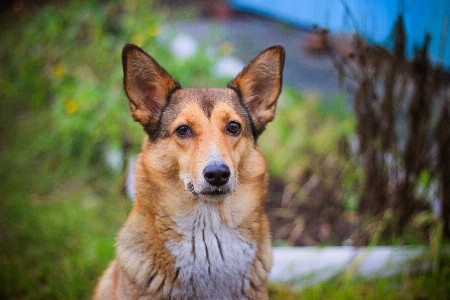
211	254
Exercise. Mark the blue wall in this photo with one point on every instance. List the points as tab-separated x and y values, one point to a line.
374	19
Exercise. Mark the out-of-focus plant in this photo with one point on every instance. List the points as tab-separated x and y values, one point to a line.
67	60
403	129
309	147
305	134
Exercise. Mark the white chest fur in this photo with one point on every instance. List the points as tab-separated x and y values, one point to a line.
213	259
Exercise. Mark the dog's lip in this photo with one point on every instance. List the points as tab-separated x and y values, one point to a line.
216	191
215	195
211	190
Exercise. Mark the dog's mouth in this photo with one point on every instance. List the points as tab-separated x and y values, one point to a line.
210	191
215	193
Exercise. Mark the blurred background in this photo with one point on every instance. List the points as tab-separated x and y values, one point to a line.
359	153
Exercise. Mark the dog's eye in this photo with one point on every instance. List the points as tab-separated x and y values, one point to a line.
234	128
183	131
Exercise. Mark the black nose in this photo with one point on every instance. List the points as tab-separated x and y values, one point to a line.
217	174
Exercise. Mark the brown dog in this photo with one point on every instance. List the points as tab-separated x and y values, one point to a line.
198	228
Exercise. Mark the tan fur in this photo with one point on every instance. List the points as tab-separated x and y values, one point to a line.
186	237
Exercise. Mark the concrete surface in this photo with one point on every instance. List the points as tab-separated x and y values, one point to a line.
308	265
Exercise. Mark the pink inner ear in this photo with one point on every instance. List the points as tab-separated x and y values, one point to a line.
151	100
257	94
148	94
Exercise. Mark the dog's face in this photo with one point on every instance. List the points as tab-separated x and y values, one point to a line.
204	138
209	132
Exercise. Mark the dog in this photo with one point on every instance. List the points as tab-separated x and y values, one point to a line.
197	229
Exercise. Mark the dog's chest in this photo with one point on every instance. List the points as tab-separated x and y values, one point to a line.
213	260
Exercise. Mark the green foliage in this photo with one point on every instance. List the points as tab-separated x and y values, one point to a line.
68	60
58	219
308	137
304	133
55	250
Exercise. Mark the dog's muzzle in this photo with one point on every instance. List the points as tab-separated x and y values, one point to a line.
216	180
215	184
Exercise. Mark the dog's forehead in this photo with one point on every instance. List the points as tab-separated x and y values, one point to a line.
207	99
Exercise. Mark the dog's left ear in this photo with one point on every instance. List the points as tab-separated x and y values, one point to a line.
147	85
259	85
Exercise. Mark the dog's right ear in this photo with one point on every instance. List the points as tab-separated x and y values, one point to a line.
147	85
259	85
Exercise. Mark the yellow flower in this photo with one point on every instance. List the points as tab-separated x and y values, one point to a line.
138	40
226	48
154	29
59	70
71	107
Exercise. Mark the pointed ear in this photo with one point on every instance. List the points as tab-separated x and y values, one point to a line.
147	85
259	85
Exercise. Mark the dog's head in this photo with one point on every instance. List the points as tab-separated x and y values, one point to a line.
204	138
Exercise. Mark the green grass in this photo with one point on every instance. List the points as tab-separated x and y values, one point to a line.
58	221
305	125
56	250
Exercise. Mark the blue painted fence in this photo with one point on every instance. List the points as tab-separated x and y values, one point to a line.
374	19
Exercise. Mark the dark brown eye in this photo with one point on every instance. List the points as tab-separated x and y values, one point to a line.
234	128
183	131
